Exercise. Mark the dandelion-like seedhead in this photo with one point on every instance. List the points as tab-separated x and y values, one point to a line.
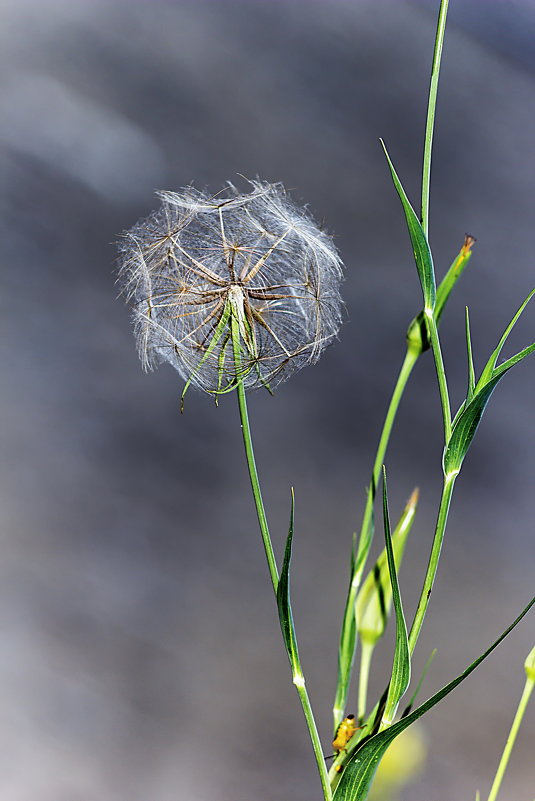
231	288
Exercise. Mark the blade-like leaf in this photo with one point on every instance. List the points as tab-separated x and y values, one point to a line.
471	371
360	770
488	370
420	246
465	427
505	366
401	667
468	419
283	602
420	682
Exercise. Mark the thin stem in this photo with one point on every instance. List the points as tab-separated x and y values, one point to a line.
251	464
528	689
316	743
347	636
366	653
410	360
441	373
270	556
431	107
423	603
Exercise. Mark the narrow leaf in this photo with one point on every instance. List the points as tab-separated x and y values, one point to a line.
465	428
505	366
360	770
420	682
401	668
467	420
420	246
491	364
283	602
471	372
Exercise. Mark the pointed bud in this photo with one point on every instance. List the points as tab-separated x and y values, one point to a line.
417	338
529	665
374	600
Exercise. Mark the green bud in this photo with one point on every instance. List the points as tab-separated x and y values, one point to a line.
529	665
374	600
417	337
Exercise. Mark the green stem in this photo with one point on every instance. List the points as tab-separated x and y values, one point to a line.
441	372
431	107
366	653
251	464
270	556
423	603
316	743
528	689
410	360
348	633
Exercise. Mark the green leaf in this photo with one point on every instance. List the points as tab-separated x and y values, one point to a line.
469	417
488	370
401	667
420	682
360	770
420	245
465	428
283	603
471	372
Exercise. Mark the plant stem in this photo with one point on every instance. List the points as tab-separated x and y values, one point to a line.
347	636
441	373
366	653
410	360
431	107
423	603
528	689
316	743
251	465
270	556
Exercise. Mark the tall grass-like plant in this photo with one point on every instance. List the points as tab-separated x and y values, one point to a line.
237	292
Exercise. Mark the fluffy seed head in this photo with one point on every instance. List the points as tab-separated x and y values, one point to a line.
231	288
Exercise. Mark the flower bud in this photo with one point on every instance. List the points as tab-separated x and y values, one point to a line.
374	600
529	665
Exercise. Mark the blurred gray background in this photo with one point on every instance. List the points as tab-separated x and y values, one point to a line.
140	656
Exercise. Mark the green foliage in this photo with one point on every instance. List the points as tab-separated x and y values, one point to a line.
420	245
360	770
284	605
469	415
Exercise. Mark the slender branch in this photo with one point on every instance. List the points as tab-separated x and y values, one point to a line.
347	646
423	603
270	556
528	689
366	653
251	465
316	743
431	107
441	373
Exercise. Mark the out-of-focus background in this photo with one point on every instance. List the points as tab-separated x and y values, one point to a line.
140	656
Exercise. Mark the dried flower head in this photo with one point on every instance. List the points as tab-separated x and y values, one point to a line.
231	288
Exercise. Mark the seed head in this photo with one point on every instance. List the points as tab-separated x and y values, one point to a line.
231	288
